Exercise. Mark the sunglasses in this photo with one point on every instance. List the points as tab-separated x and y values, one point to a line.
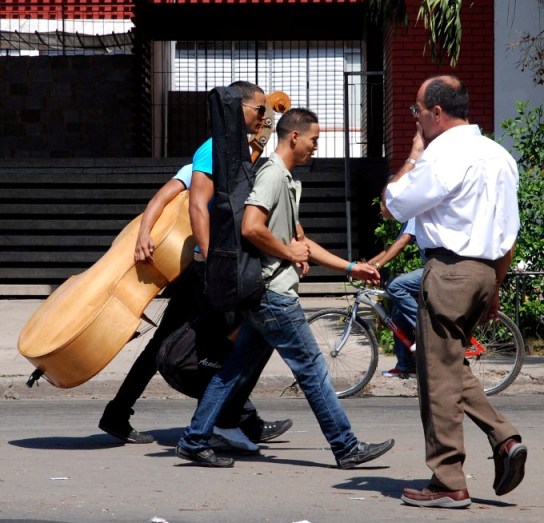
261	109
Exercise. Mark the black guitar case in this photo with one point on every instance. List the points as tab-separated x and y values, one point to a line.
233	267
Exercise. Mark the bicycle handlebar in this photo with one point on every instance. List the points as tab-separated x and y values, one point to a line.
366	295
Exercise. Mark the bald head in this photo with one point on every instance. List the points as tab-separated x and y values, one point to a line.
442	103
449	93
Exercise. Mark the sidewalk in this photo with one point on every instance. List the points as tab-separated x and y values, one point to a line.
15	368
276	377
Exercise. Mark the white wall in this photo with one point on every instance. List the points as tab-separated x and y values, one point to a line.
513	18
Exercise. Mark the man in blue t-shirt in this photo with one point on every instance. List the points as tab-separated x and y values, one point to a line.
202	192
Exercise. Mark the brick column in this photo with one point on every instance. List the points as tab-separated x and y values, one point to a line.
406	67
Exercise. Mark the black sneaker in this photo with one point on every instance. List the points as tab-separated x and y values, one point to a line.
273	429
124	431
364	452
204	458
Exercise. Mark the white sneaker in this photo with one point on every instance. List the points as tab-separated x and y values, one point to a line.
234	438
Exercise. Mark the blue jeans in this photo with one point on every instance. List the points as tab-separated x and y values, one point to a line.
279	323
404	292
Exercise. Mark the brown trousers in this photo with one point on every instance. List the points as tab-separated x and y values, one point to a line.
454	294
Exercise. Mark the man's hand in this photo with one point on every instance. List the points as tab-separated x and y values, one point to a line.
501	268
418	146
299	251
418	143
145	246
367	272
493	311
302	269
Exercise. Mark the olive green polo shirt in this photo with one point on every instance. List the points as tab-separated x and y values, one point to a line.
276	191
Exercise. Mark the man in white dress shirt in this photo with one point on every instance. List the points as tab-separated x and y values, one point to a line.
462	189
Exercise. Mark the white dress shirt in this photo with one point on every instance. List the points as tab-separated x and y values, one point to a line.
463	193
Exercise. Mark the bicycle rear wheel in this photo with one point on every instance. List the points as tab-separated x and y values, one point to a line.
500	363
352	367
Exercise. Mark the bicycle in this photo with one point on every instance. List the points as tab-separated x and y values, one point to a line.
350	346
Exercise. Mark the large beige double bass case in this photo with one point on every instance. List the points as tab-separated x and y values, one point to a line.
88	319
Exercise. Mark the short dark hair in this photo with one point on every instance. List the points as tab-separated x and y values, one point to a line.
448	92
247	89
298	119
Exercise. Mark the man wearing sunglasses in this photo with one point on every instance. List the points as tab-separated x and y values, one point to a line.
240	426
253	100
202	189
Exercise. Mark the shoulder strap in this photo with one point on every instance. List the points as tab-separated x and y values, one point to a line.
293	211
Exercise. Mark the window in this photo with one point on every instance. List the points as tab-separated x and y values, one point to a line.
312	74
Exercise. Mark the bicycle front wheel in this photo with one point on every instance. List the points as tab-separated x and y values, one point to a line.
352	365
497	355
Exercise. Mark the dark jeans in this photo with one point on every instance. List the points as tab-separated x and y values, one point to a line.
279	322
187	298
404	292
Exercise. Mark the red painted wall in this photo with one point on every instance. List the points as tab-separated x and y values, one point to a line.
116	9
75	9
406	67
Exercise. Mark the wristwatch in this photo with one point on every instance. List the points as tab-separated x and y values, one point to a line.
411	161
377	265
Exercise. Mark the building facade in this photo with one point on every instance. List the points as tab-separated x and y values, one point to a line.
118	79
325	55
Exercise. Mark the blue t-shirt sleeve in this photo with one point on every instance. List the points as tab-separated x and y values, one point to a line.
185	174
203	158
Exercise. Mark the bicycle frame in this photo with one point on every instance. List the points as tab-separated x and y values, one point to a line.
351	349
368	296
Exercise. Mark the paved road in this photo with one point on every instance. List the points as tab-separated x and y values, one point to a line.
56	466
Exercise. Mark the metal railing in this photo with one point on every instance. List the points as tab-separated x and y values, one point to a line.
526	285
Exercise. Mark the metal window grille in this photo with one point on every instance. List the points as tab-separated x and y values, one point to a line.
311	73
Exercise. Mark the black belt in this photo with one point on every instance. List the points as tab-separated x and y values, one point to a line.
441	252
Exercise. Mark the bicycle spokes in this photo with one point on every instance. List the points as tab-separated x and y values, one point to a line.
496	353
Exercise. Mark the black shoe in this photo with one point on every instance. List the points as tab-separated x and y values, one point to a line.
364	452
273	429
204	458
123	431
